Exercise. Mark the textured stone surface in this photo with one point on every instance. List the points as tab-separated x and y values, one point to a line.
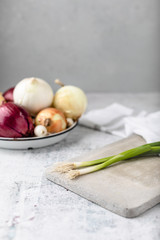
32	207
128	189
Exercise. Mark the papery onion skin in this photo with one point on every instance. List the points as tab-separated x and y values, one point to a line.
15	121
8	95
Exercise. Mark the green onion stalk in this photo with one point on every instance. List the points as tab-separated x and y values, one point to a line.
76	169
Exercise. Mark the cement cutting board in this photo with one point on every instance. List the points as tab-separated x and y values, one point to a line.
128	188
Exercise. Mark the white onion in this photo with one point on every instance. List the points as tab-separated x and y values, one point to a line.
34	94
70	122
71	101
40	131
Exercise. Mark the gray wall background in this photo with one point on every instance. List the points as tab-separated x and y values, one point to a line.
98	45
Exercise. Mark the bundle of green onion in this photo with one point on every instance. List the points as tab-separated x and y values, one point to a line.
76	169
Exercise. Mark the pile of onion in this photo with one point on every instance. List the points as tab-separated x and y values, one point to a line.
33	98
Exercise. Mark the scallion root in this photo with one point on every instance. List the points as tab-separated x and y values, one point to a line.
62	167
73	174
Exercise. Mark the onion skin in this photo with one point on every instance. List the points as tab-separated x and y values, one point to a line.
8	95
53	119
15	121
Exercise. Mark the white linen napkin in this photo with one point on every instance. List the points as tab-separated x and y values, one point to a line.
120	120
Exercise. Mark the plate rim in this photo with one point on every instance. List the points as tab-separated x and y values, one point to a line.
39	138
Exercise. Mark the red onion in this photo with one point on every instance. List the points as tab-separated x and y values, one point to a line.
15	121
8	95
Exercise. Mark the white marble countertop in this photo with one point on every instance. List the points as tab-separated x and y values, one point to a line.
31	207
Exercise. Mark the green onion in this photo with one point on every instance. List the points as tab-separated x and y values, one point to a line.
66	167
154	151
120	157
154	144
95	165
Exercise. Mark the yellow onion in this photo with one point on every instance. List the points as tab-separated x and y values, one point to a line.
34	94
53	119
71	100
2	100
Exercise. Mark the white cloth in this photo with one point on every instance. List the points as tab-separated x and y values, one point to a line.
120	120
